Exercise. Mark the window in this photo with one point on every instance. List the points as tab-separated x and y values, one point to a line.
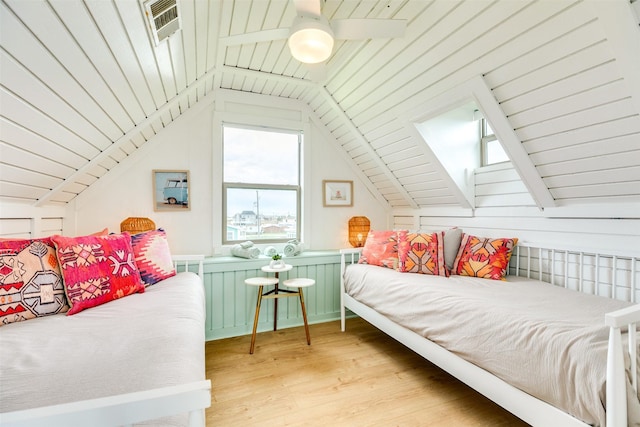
261	184
492	151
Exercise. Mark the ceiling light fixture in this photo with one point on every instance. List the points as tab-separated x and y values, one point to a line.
311	40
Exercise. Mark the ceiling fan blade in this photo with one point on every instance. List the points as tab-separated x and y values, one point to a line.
358	29
308	7
317	72
256	37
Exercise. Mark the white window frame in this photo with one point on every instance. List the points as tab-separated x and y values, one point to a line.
485	139
260	186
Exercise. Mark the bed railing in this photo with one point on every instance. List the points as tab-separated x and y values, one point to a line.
347	256
120	410
125	409
185	261
610	275
615	276
616	384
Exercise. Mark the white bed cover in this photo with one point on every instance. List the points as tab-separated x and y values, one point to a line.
140	342
545	340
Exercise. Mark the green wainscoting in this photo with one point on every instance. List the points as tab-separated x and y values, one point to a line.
231	304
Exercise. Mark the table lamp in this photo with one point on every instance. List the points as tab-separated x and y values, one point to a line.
358	229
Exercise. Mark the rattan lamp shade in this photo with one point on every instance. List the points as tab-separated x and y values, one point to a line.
358	229
135	225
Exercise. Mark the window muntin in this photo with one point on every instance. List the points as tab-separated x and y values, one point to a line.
491	148
261	184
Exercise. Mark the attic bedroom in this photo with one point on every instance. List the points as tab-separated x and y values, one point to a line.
511	126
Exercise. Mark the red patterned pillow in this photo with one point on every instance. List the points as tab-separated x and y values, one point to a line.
152	255
30	280
381	248
483	257
97	269
421	253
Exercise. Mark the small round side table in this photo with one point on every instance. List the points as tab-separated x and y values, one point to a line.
268	269
261	282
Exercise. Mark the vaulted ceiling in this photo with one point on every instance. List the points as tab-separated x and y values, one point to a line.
82	86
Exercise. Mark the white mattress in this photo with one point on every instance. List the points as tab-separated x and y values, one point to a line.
546	340
143	341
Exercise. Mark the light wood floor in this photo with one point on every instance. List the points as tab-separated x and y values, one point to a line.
357	378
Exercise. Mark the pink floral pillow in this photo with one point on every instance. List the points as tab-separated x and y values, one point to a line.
381	248
97	269
421	253
30	280
483	257
152	255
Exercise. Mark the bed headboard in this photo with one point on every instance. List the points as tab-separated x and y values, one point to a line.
183	262
608	275
605	274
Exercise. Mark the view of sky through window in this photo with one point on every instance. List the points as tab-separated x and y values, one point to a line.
260	156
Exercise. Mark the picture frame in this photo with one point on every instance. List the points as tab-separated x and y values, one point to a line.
171	190
337	193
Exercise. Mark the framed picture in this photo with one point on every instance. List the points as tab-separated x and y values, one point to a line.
171	190
337	193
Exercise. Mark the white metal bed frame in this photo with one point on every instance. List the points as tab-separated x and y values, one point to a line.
613	276
125	409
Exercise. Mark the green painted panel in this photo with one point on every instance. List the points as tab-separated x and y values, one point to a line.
231	303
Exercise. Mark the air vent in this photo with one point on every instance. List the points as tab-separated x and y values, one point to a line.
163	18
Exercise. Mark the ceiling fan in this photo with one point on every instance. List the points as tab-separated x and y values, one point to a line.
311	35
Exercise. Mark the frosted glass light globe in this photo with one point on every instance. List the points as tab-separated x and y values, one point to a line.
311	41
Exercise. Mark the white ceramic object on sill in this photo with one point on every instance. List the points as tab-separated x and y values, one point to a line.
276	263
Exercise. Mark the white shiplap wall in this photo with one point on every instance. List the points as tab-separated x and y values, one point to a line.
572	110
500	185
500	41
18	221
614	236
82	89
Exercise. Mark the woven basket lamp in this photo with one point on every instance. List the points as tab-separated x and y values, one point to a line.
135	225
359	227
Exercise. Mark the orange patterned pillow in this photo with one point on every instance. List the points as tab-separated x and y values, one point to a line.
97	269
483	257
421	253
381	248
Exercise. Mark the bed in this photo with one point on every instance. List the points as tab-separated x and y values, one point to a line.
136	360
556	319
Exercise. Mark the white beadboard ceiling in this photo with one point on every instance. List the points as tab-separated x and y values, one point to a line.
82	87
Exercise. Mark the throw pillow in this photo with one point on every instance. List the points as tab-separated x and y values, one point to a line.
421	253
381	248
103	232
452	239
97	269
484	257
152	256
30	281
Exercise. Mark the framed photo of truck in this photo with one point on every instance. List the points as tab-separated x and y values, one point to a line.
171	190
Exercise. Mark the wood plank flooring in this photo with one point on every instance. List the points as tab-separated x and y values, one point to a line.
357	378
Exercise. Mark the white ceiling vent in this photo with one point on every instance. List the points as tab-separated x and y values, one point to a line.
163	18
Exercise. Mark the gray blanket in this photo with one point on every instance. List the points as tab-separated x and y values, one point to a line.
545	340
140	342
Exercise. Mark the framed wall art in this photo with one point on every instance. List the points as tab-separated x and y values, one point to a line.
337	193
171	190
